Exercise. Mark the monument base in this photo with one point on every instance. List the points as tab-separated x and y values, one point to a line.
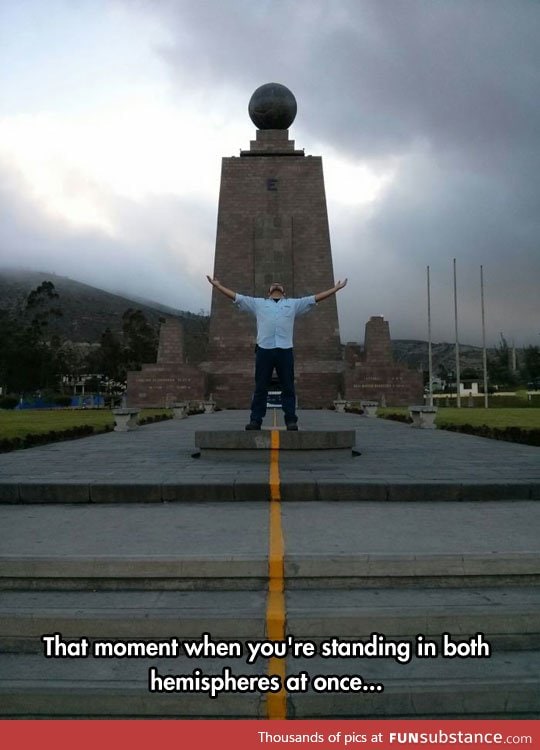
317	385
256	444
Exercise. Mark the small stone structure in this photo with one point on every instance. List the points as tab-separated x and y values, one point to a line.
170	379
125	419
372	374
340	404
180	409
423	417
209	406
369	408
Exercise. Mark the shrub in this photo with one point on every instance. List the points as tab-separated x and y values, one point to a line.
34	438
511	402
62	400
155	418
395	417
8	402
510	434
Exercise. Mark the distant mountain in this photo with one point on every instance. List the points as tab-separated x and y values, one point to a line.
415	355
87	311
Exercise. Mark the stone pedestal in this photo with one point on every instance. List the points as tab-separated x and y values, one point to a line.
423	417
373	374
294	446
170	379
369	408
125	419
180	410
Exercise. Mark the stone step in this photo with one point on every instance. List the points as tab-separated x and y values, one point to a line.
254	445
26	615
509	617
506	685
261	440
298	484
237	572
225	545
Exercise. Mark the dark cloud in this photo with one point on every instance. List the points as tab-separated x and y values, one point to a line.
450	89
157	253
444	92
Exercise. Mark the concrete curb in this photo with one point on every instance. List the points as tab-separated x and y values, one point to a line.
216	490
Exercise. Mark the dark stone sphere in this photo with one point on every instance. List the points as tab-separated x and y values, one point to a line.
272	107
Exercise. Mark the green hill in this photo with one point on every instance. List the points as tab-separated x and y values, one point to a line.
88	311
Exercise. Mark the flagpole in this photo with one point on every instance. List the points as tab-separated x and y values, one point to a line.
430	363
458	376
484	354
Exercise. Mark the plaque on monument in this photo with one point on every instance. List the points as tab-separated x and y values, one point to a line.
170	379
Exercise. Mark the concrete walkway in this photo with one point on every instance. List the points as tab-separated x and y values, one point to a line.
155	463
126	535
116	480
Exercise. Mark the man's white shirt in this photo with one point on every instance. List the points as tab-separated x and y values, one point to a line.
275	320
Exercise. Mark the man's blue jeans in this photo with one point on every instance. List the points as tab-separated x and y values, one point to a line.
266	360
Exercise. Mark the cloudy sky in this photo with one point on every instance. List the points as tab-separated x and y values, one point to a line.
114	116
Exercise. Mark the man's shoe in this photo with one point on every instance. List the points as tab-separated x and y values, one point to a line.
253	426
292	426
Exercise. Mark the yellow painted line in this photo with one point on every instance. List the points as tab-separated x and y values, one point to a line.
275	493
276	703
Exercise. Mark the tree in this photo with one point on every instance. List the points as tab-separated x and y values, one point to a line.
28	361
531	361
470	373
140	339
499	367
110	360
443	372
38	308
118	354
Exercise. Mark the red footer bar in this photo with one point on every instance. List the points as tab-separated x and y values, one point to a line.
267	735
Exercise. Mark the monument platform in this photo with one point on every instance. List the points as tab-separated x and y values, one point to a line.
321	445
125	535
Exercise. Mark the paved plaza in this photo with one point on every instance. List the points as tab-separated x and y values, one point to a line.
396	462
127	535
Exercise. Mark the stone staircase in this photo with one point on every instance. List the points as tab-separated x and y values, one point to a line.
130	580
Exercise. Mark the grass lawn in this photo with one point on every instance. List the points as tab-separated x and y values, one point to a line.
36	421
500	417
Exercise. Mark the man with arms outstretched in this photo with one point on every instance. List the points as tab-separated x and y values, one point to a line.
275	322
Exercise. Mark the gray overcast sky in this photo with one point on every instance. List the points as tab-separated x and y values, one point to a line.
114	116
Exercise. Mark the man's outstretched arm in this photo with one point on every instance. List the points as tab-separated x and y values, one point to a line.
329	292
223	289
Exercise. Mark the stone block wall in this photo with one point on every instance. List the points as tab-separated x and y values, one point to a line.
169	379
273	226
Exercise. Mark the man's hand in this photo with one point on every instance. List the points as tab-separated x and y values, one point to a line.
329	292
223	289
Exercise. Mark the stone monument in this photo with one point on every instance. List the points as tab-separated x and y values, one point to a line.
373	374
273	226
170	379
